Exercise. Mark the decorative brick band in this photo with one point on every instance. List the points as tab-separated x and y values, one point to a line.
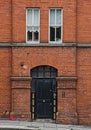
66	82
17	78
67	78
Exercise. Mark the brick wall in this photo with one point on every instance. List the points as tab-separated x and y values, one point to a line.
55	56
21	99
84	21
5	70
69	19
70	61
19	25
84	85
5	21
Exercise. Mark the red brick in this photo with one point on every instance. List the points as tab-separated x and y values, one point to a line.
75	107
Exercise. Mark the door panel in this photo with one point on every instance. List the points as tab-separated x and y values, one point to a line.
44	98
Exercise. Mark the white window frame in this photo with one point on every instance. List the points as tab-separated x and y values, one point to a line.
56	42
33	42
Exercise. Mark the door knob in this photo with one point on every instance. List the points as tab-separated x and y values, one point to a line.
43	100
50	104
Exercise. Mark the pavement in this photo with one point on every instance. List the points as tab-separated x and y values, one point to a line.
38	125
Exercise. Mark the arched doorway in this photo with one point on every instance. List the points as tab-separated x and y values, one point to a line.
44	92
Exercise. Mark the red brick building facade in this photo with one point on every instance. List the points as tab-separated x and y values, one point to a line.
45	65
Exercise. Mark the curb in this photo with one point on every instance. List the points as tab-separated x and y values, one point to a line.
18	128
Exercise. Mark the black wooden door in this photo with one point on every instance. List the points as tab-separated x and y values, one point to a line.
44	98
43	92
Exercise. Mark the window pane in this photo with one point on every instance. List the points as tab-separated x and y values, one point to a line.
34	74
52	33
29	29
53	74
36	29
47	74
29	17
29	36
58	34
58	16
40	68
52	17
36	33
36	17
47	68
29	33
40	74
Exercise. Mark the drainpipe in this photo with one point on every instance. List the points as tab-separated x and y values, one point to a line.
76	37
11	53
